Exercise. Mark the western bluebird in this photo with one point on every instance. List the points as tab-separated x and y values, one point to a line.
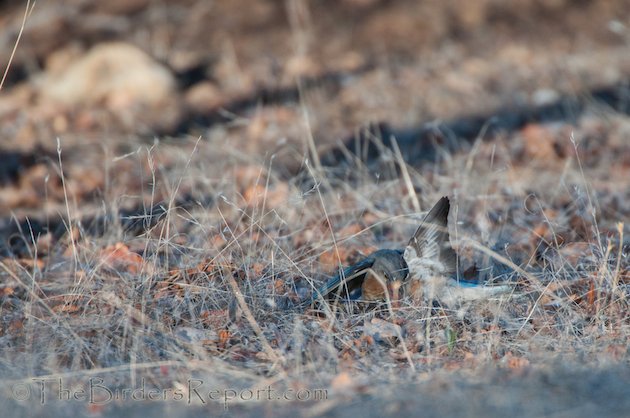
428	265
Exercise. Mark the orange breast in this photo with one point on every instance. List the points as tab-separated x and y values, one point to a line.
373	287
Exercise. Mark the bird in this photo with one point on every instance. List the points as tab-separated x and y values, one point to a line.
426	267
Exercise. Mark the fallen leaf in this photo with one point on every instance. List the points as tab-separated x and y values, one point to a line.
333	258
515	363
215	319
119	257
350	230
343	381
539	143
66	308
224	337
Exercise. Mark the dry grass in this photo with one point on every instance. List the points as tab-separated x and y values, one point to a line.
213	291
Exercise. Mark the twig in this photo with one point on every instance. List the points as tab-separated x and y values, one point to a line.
252	321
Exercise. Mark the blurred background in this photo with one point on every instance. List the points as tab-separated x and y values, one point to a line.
291	79
183	67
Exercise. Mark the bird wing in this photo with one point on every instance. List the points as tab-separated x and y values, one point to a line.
349	279
431	240
456	292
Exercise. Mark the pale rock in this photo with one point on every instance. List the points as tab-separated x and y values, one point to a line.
203	97
116	74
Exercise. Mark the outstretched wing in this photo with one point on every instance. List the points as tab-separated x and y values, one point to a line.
349	280
431	240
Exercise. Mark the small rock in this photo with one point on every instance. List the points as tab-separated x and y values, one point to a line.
539	142
203	97
116	74
197	336
382	331
543	97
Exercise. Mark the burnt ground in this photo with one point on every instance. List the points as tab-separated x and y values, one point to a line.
175	177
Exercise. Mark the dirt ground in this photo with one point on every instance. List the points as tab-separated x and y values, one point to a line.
175	177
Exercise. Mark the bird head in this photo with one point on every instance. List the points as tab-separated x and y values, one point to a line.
390	271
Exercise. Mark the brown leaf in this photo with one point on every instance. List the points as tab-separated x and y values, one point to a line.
272	197
7	291
224	337
515	363
573	252
16	325
66	308
343	381
119	257
27	263
254	195
350	230
332	258
539	143
215	319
